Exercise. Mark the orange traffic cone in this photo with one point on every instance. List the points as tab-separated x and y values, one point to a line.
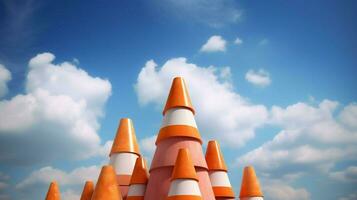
184	180
138	181
250	189
218	172
125	151
87	191
178	130
107	187
53	192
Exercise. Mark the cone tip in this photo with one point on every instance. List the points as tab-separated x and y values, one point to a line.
140	174
125	139
214	157
250	186
184	168
178	96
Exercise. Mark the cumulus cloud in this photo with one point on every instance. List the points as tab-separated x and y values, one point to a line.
221	113
238	41
351	196
56	118
259	78
48	174
282	191
5	77
347	175
313	138
214	13
214	43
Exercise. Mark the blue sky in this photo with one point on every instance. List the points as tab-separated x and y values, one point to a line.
282	99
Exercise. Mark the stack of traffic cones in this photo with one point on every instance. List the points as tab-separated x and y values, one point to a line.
218	172
53	192
250	188
125	151
184	180
138	181
178	130
87	191
107	188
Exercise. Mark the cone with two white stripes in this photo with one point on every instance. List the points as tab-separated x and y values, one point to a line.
218	172
53	192
138	181
250	188
184	180
123	155
178	130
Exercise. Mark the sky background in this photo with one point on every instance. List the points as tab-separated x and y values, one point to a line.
274	83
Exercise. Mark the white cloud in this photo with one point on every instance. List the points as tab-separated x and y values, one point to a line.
221	113
260	78
5	76
215	13
283	191
347	175
48	174
59	113
148	146
352	196
238	41
213	44
313	138
70	195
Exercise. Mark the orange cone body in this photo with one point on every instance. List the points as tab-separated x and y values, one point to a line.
184	180
107	187
124	152
138	181
250	188
218	172
53	192
87	191
178	130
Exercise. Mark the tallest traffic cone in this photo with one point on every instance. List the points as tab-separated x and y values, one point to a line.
125	151
178	130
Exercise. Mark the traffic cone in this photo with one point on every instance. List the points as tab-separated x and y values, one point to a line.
125	151
178	130
107	187
138	181
218	172
87	191
184	180
250	189
53	192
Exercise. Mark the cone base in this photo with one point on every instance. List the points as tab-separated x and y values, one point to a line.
159	184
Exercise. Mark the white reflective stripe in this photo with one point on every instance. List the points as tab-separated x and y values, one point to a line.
123	163
184	187
137	190
179	116
219	178
252	198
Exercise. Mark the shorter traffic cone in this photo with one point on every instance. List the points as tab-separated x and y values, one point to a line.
53	192
250	188
107	187
87	191
218	172
184	180
138	181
